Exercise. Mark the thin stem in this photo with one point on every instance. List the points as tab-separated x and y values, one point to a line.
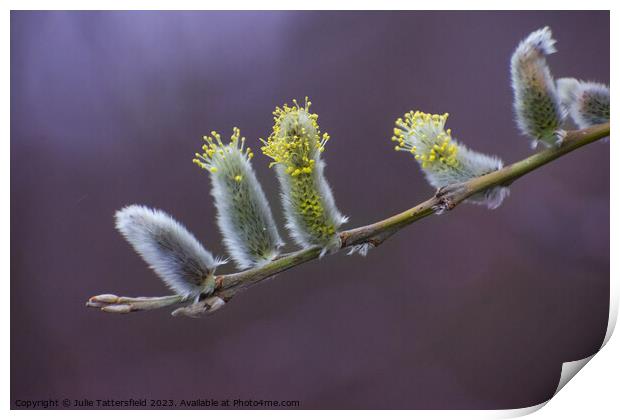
447	198
124	305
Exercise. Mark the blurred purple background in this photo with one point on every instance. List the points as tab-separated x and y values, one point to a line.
473	309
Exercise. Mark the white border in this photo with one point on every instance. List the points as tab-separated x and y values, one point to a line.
594	393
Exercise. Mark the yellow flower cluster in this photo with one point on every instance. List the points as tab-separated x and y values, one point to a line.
424	136
215	152
444	160
296	139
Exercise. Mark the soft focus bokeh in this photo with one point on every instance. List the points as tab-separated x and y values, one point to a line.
472	309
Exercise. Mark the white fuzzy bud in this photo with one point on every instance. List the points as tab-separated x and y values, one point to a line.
169	249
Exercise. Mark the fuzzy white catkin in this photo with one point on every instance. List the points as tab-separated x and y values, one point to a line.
169	249
537	106
243	213
443	160
295	145
587	103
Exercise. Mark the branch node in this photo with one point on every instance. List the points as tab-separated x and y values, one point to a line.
449	197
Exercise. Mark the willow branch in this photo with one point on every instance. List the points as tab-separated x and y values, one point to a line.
447	198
